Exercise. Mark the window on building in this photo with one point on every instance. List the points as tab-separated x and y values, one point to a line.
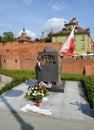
7	50
82	38
82	45
15	60
4	61
76	29
74	38
56	39
64	30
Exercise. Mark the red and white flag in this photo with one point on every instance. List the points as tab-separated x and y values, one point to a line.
68	46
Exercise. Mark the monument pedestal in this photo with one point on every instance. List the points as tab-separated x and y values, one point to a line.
57	88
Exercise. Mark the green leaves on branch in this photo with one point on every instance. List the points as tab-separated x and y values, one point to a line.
7	37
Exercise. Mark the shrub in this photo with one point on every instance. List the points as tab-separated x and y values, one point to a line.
88	83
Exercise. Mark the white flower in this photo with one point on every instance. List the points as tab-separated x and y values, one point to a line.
33	94
42	94
28	93
42	91
36	88
32	88
38	93
35	91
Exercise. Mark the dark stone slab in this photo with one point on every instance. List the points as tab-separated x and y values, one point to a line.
56	88
31	82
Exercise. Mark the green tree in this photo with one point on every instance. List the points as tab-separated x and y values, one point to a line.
0	39
48	38
8	37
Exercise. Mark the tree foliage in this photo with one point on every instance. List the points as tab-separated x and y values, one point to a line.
48	38
7	37
0	39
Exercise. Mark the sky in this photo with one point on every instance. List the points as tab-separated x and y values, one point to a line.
38	16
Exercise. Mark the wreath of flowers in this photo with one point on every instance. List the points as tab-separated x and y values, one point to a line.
36	92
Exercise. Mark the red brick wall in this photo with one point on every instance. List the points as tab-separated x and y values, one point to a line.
27	48
23	55
10	61
21	52
76	66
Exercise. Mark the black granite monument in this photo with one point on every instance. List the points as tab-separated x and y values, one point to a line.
49	68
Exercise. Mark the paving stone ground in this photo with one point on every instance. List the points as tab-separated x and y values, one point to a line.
70	110
72	104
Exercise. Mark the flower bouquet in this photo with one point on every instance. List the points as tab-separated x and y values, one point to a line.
36	92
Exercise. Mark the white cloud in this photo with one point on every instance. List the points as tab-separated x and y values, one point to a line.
28	2
29	34
55	24
56	7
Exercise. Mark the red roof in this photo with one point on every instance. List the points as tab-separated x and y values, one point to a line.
67	30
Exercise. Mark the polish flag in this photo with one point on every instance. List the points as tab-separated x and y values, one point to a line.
68	46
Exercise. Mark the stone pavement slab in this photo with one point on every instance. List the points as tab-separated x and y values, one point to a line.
4	80
71	104
23	121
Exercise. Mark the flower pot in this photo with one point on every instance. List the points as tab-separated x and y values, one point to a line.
38	102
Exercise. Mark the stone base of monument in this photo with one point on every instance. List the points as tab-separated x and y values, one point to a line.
57	88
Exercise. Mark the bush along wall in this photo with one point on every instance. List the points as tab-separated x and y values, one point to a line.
88	83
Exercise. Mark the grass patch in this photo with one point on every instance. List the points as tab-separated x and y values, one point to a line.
18	73
72	77
20	76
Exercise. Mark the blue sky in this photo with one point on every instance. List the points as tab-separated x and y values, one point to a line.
38	16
